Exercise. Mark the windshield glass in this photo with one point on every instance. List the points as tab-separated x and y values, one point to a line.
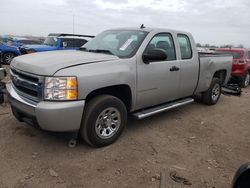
51	41
122	43
236	55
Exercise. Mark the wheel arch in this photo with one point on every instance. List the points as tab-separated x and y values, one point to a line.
122	91
221	75
9	52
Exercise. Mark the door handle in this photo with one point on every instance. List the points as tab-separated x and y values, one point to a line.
174	68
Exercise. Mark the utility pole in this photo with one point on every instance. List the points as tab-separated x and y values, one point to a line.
73	24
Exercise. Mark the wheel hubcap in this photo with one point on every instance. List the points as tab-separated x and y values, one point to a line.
216	92
9	58
108	123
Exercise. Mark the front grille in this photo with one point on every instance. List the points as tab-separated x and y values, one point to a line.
27	85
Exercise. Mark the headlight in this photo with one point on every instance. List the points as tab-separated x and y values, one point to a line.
60	88
29	51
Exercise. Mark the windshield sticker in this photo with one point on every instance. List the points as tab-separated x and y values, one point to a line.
126	44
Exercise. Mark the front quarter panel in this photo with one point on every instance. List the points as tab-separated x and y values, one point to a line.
99	75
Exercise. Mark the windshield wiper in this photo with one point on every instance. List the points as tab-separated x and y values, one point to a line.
83	49
101	51
96	50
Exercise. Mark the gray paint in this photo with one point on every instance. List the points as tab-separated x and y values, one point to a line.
150	84
60	116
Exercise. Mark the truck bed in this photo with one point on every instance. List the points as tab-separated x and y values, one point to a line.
209	64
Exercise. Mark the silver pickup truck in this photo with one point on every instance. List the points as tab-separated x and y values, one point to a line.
137	71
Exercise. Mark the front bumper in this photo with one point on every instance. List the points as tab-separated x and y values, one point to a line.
49	116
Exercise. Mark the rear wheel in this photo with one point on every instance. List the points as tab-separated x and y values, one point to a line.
7	58
103	121
212	95
245	80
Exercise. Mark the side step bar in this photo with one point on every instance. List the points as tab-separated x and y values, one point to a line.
161	108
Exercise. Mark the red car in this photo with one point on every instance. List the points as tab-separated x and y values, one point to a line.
241	64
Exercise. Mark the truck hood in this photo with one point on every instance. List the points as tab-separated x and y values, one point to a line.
40	47
48	63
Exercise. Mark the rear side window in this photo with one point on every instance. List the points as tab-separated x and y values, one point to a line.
80	42
74	43
163	41
185	46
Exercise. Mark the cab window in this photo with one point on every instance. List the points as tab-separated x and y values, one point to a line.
185	46
163	41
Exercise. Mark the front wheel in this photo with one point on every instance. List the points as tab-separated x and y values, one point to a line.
104	119
7	58
212	95
245	80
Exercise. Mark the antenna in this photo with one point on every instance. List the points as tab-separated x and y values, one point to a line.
73	24
142	26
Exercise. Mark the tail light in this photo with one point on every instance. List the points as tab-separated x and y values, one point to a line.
242	62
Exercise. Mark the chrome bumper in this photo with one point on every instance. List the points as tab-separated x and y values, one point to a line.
50	116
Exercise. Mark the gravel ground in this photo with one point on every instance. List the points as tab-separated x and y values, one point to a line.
203	144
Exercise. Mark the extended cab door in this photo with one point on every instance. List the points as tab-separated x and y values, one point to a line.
189	65
158	81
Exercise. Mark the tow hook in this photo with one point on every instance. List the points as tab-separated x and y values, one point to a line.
72	143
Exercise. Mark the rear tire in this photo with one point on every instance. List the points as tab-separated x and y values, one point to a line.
245	80
8	57
212	95
103	121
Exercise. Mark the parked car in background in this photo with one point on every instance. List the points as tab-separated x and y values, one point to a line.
130	70
57	41
8	53
241	64
4	39
20	41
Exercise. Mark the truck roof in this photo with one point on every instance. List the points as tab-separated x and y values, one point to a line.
69	35
150	29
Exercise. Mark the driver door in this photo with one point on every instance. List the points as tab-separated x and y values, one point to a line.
158	81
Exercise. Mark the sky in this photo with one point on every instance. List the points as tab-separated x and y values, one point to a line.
216	22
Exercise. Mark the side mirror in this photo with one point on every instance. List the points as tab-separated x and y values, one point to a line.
64	44
242	177
155	54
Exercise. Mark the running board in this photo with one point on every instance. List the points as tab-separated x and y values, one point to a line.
162	108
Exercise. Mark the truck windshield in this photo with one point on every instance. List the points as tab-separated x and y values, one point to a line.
122	43
51	41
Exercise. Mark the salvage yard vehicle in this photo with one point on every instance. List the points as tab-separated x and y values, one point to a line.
20	41
58	41
241	64
134	71
8	52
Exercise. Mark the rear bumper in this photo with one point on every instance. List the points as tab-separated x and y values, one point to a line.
238	73
49	116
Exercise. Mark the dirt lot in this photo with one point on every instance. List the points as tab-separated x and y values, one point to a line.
202	144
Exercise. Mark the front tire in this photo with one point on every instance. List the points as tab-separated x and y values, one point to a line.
8	57
245	81
212	95
103	121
